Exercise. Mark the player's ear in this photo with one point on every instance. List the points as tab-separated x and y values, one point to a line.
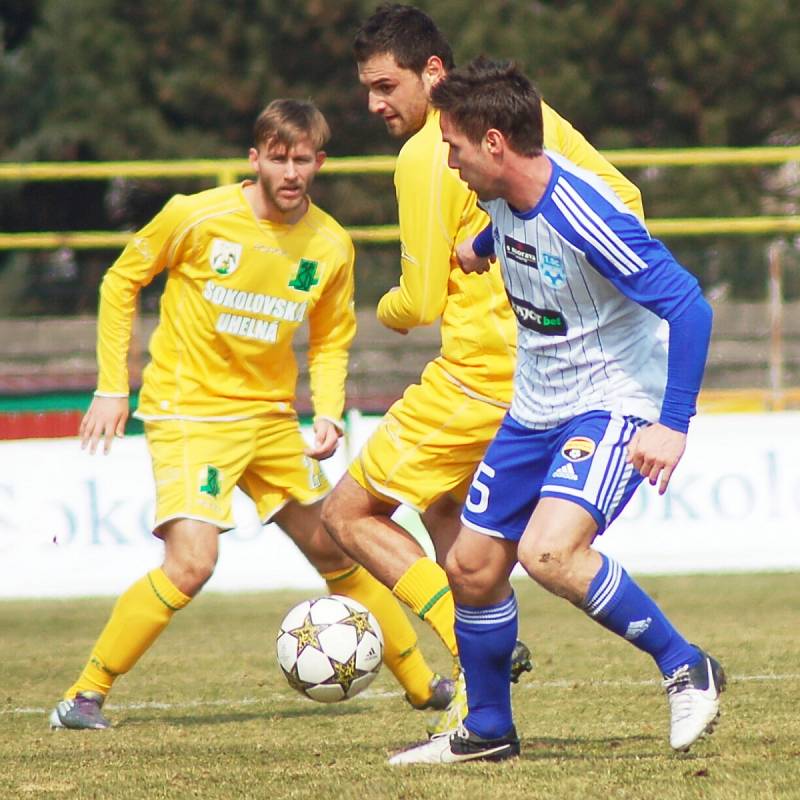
320	157
252	157
494	141
433	72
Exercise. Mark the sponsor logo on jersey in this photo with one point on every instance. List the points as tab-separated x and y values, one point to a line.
566	472
520	252
254	303
225	256
553	271
247	327
541	320
306	275
578	448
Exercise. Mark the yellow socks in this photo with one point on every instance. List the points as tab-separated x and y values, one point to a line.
139	616
424	589
401	653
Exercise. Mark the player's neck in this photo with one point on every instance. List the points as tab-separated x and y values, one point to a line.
526	180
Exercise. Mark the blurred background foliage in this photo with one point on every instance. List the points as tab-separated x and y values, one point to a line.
115	80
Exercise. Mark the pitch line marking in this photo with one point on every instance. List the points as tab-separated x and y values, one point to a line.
370	694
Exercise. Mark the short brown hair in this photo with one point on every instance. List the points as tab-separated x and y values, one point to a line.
404	32
286	121
492	94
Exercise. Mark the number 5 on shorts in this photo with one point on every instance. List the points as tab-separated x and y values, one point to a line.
481	488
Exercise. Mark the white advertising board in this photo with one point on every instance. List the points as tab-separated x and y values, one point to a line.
72	524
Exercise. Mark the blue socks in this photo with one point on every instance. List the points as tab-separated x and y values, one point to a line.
486	638
620	605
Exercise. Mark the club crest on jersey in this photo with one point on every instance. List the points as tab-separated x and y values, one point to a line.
225	256
553	271
578	448
521	252
306	275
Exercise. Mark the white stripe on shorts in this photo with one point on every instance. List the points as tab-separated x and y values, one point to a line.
609	474
479	529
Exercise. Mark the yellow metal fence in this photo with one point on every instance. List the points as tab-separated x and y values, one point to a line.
228	170
222	171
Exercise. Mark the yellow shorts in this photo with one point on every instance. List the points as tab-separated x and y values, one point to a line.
196	466
429	442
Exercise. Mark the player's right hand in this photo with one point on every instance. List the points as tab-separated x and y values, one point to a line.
468	260
104	420
655	451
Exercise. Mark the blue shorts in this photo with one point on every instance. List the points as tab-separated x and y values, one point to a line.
582	460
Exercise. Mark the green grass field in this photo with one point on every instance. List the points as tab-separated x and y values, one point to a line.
207	713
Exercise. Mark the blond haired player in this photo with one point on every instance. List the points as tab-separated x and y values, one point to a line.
429	443
246	265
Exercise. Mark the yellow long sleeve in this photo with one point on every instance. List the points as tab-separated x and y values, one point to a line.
144	256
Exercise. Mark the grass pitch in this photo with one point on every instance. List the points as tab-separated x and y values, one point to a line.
207	713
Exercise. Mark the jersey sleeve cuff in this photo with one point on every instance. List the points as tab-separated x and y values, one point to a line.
678	407
483	244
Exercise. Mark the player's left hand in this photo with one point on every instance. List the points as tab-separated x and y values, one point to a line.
469	261
326	440
656	450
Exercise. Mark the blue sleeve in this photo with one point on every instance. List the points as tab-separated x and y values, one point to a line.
689	335
483	244
618	245
664	287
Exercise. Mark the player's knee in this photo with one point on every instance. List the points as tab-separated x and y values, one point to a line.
546	563
470	578
190	572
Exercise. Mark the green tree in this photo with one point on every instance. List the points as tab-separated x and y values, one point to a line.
111	79
665	73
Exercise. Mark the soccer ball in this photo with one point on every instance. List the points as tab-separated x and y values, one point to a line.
330	648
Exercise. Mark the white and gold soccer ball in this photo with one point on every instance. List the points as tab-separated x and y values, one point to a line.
330	648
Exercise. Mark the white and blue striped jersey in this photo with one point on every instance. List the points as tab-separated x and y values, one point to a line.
589	288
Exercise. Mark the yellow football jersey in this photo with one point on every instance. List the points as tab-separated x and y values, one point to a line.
437	211
237	290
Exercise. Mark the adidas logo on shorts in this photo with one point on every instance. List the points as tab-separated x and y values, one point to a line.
566	471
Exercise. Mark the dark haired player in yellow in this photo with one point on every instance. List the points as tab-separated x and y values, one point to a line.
430	441
246	265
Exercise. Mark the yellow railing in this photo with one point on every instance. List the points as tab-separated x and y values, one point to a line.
221	171
228	170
